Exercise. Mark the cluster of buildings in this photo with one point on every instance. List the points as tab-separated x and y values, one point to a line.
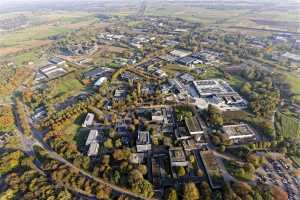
98	75
78	49
92	142
187	58
54	69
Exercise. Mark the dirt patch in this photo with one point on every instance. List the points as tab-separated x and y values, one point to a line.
25	45
9	50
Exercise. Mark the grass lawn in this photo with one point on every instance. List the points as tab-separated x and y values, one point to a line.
289	125
69	85
211	72
66	86
294	81
25	57
236	82
32	33
74	133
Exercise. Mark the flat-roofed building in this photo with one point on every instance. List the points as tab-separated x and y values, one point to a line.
181	133
177	157
57	61
143	142
52	71
157	115
239	132
180	53
219	93
193	125
188	61
88	120
93	136
212	87
191	144
93	149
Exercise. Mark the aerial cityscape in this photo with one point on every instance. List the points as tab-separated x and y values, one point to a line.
149	99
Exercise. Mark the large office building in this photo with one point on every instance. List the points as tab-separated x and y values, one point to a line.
238	133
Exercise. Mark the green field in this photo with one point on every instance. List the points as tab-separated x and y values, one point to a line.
22	58
68	86
64	87
287	125
295	85
33	33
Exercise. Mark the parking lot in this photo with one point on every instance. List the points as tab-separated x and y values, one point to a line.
277	172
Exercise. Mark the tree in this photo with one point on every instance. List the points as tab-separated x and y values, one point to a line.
108	143
171	194
216	140
278	193
241	188
215	116
190	191
143	187
205	190
180	171
135	175
248	167
64	195
143	169
121	154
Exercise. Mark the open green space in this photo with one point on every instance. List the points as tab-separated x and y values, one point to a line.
25	57
74	133
65	86
294	81
287	125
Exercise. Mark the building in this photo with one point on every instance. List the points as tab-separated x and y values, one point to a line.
100	81
52	71
98	72
177	157
143	142
291	56
219	93
180	53
93	143
193	125
212	87
187	77
238	133
297	44
93	149
192	144
188	61
88	120
157	115
182	134
92	137
120	95
57	61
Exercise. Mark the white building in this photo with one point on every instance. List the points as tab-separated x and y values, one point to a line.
143	142
88	120
100	81
93	136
